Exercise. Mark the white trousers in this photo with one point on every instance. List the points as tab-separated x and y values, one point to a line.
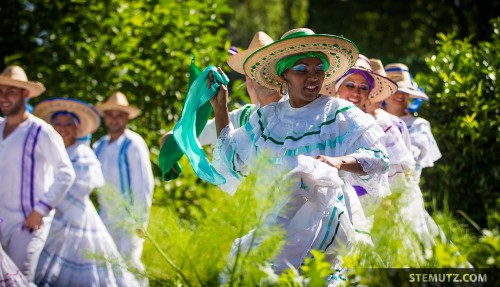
24	247
130	246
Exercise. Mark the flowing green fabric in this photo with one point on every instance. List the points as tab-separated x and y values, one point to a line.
170	153
290	61
185	130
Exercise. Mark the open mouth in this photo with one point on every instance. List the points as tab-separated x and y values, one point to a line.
353	100
399	100
311	88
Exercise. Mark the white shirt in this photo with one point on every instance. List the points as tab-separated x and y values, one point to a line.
48	165
238	118
135	165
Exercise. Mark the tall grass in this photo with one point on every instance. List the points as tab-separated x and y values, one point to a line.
194	250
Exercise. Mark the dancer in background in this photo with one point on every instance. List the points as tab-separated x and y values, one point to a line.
79	250
35	172
125	200
423	145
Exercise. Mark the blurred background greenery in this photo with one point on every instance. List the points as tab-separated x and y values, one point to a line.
87	49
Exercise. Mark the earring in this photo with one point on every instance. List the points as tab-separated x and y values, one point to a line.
286	88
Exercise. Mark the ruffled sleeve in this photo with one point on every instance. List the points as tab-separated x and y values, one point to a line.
233	157
87	169
424	147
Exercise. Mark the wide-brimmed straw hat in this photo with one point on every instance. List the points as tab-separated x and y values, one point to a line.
400	74
16	77
378	67
87	115
382	86
260	39
340	52
118	101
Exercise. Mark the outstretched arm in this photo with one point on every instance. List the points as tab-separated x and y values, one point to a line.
219	104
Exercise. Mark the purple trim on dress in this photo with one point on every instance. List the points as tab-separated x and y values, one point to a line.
48	207
387	128
401	125
360	191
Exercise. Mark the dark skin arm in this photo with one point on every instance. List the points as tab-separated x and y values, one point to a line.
219	103
347	163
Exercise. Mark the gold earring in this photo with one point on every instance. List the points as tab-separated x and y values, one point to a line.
281	88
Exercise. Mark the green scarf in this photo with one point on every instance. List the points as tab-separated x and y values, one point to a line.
170	153
289	61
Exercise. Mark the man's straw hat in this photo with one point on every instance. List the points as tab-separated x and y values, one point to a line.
16	77
382	86
119	102
87	115
340	52
400	74
260	39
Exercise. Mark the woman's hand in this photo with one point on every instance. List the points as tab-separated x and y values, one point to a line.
336	162
219	101
347	163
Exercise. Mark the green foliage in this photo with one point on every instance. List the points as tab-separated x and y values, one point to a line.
465	119
401	31
193	250
274	17
316	269
88	49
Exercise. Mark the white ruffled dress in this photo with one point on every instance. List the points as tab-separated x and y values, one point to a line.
79	250
402	179
322	210
10	275
423	145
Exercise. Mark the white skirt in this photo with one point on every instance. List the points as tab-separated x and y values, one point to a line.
80	252
9	273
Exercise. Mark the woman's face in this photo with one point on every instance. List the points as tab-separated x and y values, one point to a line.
355	89
66	127
304	81
397	104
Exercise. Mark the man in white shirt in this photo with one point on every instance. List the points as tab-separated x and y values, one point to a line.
124	156
35	172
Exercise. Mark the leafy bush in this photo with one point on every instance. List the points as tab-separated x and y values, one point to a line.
465	116
88	49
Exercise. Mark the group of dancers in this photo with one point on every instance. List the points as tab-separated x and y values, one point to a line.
51	234
333	121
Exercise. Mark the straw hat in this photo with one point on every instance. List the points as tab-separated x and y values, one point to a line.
382	86
378	67
260	39
340	52
86	113
119	102
16	77
400	74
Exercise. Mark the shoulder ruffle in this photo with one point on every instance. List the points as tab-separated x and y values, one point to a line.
326	126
